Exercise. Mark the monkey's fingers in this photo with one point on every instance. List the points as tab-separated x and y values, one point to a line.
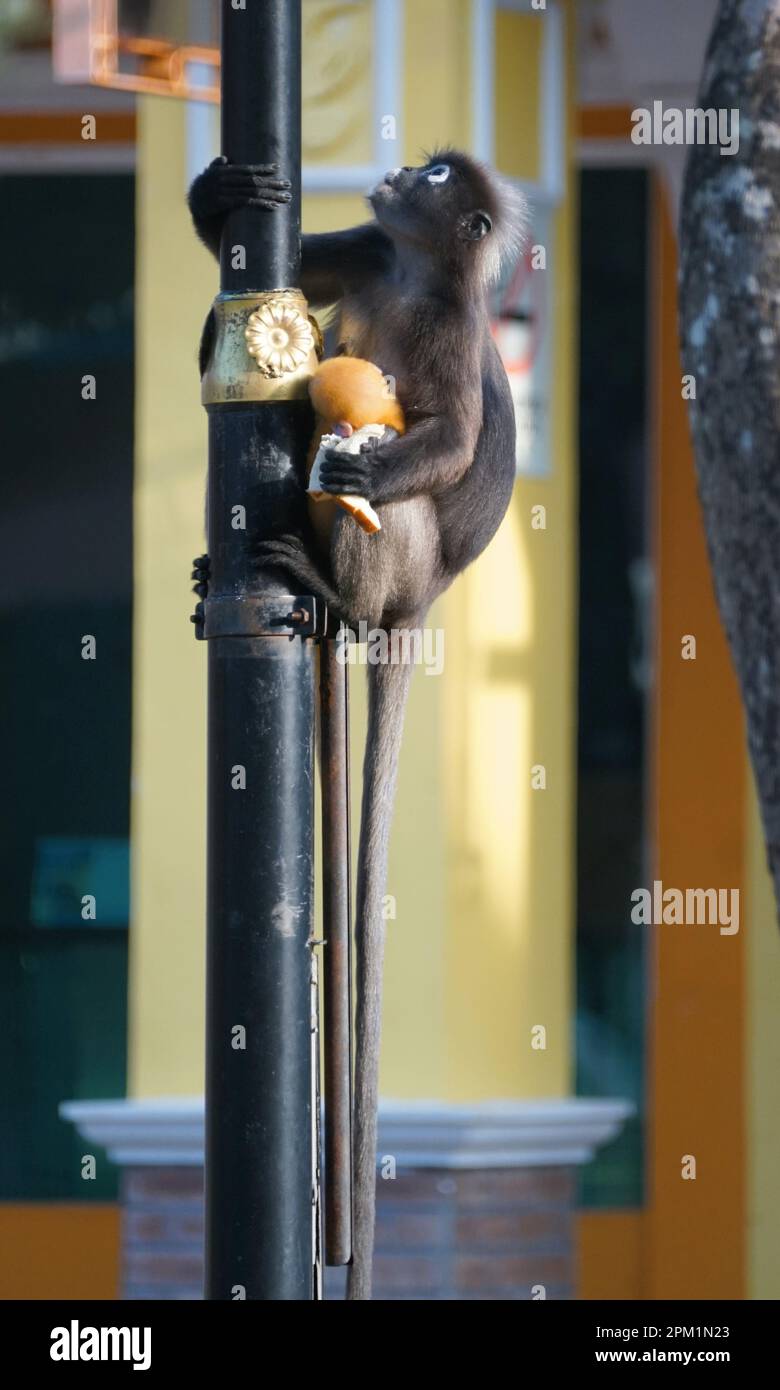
231	178
201	569
252	190
240	180
281	552
269	196
270	201
258	168
342	477
288	543
222	162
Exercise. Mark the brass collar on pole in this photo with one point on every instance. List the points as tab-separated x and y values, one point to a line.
266	348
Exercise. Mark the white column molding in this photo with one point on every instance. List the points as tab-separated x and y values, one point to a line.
418	1134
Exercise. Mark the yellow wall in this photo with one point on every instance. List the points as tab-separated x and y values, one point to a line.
509	692
174	287
517	96
481	866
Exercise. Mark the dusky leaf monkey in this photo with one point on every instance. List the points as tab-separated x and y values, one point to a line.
412	292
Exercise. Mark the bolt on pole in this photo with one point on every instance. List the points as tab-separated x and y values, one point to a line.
260	1165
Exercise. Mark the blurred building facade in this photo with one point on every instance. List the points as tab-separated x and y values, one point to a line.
566	755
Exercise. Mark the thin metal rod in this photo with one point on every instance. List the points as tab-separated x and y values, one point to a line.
337	1006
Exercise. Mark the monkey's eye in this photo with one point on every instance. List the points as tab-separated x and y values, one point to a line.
439	173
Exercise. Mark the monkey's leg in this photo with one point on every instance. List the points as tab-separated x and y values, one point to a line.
392	572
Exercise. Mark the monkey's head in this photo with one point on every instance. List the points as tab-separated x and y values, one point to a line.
456	208
352	391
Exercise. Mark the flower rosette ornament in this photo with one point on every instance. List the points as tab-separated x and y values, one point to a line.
279	338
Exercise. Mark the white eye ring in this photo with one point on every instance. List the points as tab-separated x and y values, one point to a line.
439	173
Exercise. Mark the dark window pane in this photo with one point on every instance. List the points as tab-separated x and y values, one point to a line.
614	673
66	307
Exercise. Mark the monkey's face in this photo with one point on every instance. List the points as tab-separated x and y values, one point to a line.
445	203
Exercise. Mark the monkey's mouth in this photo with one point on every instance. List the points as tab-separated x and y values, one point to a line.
383	190
386	186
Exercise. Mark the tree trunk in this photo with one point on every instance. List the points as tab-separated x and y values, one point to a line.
729	329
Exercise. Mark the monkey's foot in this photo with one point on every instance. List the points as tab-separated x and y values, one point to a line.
289	553
201	569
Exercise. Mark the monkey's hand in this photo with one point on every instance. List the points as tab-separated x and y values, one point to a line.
350	474
223	187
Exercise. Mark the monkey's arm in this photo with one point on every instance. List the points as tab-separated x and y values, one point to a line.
442	352
333	263
431	457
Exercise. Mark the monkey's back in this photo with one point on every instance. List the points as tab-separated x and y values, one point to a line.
471	512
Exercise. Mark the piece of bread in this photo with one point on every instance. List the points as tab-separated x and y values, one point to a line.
358	507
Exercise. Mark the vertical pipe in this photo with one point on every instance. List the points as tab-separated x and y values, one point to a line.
259	1161
337	993
261	123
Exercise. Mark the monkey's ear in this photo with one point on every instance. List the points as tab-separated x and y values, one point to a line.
475	226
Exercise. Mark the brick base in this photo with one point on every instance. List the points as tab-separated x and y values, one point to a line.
162	1233
493	1233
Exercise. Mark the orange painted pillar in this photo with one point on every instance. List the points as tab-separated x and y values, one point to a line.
696	1227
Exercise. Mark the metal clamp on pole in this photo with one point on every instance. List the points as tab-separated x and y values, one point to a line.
265	615
261	1171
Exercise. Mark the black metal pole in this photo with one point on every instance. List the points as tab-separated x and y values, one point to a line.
259	1160
261	124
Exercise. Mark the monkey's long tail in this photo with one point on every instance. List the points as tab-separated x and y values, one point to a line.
388	688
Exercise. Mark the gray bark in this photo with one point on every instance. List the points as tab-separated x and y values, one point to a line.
730	339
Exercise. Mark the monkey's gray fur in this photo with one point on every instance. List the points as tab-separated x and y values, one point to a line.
412	291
